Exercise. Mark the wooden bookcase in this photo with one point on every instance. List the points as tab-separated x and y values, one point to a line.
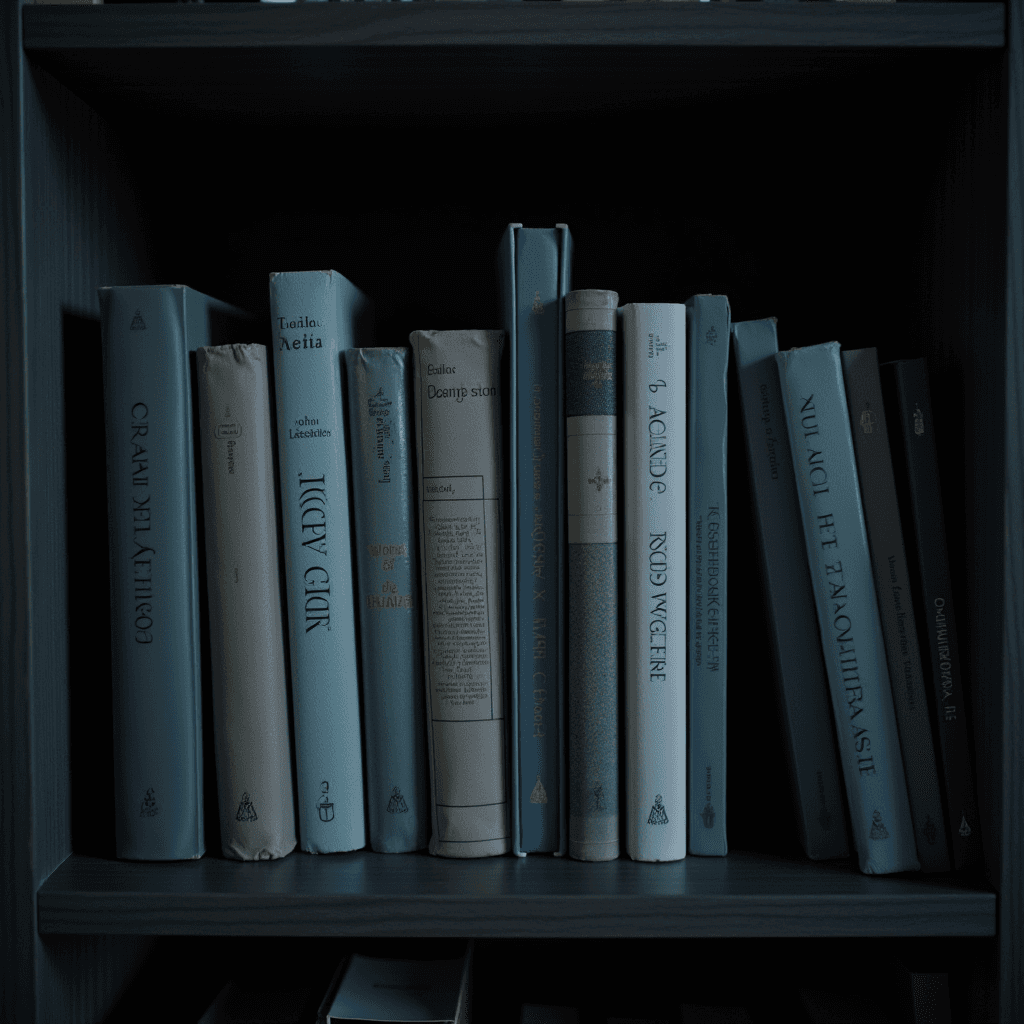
854	169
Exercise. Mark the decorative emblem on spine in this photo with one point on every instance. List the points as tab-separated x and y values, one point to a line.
397	804
599	481
324	808
918	421
658	815
964	829
246	811
931	833
539	794
149	807
867	421
878	829
712	336
708	816
538	306
598	795
137	324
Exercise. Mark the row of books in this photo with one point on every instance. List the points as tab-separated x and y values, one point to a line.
385	609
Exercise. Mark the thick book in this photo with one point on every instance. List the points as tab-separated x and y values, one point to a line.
150	334
592	490
533	273
909	403
243	582
654	572
895	603
707	543
800	675
458	420
388	584
316	315
836	542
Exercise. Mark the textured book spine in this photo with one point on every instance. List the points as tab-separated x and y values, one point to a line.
315	316
457	388
895	603
654	567
910	405
851	633
592	487
154	572
707	522
250	699
534	275
795	639
388	577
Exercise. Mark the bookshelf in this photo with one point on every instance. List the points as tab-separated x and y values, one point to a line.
854	169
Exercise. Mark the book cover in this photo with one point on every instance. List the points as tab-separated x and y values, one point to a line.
243	581
821	447
909	402
150	334
458	420
315	316
654	571
708	532
533	271
800	675
388	587
592	490
895	603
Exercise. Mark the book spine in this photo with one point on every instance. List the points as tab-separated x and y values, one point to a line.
314	316
592	486
654	567
911	408
250	700
837	552
792	620
457	389
154	572
708	532
895	603
537	499
388	577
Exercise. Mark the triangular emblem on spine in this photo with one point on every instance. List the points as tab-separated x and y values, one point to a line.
149	807
397	804
878	829
137	324
658	815
246	811
539	794
964	829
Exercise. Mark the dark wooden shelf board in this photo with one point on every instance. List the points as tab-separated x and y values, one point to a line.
375	895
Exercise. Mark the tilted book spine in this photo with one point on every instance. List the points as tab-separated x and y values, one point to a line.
154	573
592	488
851	632
895	603
388	577
654	567
910	404
315	316
708	532
457	388
250	698
792	620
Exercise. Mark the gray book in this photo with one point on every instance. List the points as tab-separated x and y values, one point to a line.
250	702
458	422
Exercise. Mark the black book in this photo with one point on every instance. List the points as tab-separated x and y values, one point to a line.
908	404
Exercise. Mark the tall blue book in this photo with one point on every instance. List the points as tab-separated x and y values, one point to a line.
150	334
707	532
316	315
388	588
800	676
534	270
836	540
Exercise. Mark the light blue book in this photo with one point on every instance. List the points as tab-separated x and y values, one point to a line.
851	630
314	316
150	333
534	269
708	331
388	591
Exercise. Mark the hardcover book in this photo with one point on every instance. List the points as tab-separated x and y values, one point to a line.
895	603
800	676
533	271
592	489
388	577
707	522
909	401
654	659
851	632
150	334
457	388
315	316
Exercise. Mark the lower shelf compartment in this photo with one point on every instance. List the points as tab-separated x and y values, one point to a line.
379	895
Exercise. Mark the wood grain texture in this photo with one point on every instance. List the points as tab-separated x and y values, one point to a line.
379	895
